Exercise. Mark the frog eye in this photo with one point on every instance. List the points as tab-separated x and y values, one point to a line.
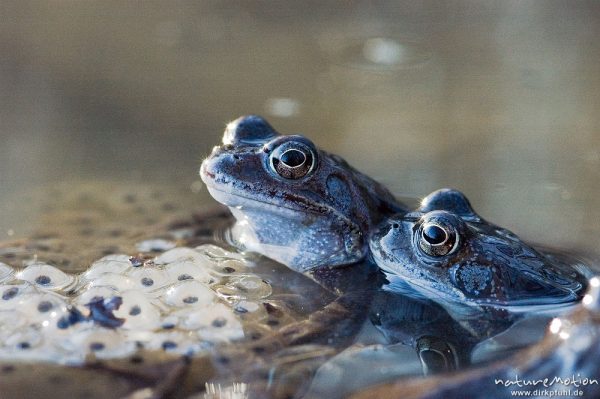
438	235
292	160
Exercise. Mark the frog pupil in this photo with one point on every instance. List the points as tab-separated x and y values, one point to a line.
293	158
292	161
434	235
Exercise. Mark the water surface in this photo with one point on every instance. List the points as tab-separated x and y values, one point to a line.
107	110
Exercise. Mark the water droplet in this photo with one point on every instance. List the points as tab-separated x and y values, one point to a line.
378	54
283	107
384	51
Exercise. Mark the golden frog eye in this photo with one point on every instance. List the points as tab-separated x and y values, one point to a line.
292	160
437	237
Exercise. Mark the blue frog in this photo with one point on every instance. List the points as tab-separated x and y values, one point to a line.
444	250
293	202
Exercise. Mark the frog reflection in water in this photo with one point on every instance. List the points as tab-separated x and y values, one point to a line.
445	250
293	202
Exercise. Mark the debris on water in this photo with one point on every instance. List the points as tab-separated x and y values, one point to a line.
72	317
136	261
101	311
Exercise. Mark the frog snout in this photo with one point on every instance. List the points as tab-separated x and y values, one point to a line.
214	164
205	170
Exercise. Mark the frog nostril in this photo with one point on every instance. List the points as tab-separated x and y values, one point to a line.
236	157
395	226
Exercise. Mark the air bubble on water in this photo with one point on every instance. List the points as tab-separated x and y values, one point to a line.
46	276
156	245
6	272
189	293
116	264
383	51
379	54
283	107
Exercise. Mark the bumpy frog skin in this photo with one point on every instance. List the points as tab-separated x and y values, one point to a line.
293	202
445	250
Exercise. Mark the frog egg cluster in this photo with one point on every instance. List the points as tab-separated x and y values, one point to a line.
185	300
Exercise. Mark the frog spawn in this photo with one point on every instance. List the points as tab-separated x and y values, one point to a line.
184	301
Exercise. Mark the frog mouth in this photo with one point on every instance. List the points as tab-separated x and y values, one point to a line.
224	190
236	200
295	207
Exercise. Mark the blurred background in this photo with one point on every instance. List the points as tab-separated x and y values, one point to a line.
500	99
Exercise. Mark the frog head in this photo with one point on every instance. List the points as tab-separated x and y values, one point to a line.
445	250
293	202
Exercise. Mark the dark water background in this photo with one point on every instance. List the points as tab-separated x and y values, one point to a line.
499	99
